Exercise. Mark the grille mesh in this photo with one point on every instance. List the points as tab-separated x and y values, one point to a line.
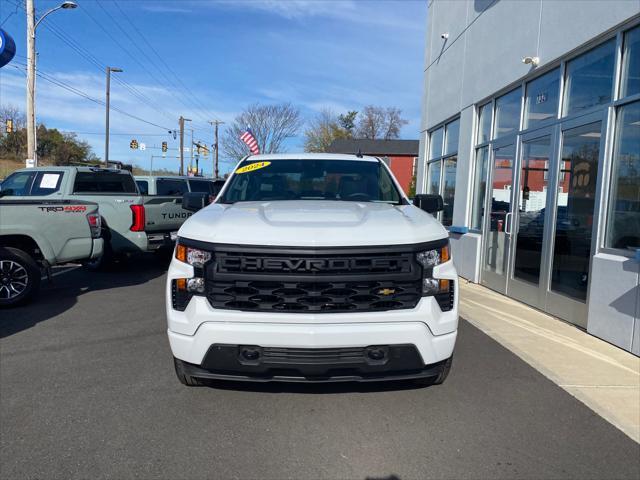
314	297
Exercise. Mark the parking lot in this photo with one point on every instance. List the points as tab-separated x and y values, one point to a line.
88	391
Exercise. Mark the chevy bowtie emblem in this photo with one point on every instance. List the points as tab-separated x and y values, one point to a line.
386	291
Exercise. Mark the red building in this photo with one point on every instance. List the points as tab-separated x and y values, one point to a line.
400	155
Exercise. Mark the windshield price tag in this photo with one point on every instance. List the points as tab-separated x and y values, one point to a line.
252	167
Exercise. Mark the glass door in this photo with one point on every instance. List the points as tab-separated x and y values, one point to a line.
497	227
573	217
530	261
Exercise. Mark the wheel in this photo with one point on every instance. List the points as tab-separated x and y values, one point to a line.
103	262
183	376
440	378
19	276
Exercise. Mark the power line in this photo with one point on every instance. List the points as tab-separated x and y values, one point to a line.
90	58
195	99
146	57
83	94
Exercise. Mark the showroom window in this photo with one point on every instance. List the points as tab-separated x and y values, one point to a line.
623	229
436	143
631	63
442	165
541	101
484	123
508	113
479	187
589	79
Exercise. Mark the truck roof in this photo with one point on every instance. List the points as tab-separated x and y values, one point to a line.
311	156
74	168
173	177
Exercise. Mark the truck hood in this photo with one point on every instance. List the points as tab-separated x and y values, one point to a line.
311	223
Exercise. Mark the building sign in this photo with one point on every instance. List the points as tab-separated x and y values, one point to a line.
7	48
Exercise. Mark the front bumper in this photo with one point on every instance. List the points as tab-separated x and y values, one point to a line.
429	349
226	362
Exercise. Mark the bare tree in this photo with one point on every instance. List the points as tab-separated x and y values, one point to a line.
380	123
270	124
323	129
393	123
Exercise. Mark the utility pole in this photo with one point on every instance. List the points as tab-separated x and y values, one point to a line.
191	151
31	82
181	121
106	123
215	124
32	25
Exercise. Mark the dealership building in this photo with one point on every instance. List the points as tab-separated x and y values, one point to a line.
531	133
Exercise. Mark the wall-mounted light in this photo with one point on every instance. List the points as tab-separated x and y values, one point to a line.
533	61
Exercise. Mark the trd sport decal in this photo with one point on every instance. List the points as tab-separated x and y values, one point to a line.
68	208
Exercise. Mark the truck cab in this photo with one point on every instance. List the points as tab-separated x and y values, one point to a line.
312	267
131	223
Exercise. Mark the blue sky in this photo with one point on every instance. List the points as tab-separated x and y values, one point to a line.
332	54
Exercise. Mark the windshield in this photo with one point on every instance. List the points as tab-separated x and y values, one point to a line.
346	180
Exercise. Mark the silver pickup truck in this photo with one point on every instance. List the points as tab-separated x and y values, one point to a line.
131	223
36	234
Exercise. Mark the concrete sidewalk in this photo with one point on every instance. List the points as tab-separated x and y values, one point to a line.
604	377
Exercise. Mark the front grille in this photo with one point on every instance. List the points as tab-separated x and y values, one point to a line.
314	297
313	281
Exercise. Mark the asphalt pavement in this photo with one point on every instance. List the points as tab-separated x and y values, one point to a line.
87	390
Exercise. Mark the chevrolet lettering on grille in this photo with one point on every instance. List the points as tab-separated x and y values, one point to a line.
262	264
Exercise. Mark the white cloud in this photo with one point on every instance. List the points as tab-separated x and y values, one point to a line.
381	13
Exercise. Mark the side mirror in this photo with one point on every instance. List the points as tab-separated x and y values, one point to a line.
194	201
428	202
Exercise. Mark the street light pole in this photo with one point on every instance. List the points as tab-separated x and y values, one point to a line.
106	123
32	24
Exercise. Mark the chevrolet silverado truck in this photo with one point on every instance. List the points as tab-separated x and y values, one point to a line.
312	267
131	223
36	234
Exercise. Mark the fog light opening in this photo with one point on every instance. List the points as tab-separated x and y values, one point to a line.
376	354
251	354
195	285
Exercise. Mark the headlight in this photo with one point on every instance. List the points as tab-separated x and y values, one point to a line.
182	289
192	256
431	258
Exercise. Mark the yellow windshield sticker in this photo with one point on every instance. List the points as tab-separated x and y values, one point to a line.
252	167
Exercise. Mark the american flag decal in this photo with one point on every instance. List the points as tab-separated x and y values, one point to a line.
248	138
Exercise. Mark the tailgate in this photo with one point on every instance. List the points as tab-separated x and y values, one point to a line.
164	214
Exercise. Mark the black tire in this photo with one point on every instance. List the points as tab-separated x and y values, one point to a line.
19	277
440	378
104	262
183	376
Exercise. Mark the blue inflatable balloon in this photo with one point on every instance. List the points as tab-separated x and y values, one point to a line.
7	48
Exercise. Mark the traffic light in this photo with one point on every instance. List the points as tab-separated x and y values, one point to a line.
164	146
9	125
133	144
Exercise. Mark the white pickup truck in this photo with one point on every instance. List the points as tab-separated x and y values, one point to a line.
312	267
